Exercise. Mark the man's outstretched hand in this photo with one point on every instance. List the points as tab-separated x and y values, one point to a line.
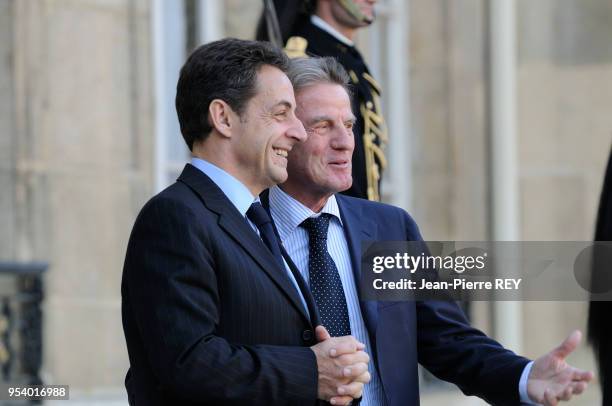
343	367
551	379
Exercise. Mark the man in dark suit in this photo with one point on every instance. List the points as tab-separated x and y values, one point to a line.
212	313
309	213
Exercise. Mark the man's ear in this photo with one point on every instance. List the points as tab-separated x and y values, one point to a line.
222	117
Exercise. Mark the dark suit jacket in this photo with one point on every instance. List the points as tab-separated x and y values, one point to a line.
433	333
209	316
600	330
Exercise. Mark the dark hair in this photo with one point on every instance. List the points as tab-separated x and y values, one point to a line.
225	69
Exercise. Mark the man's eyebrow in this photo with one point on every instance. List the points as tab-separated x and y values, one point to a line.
284	103
318	119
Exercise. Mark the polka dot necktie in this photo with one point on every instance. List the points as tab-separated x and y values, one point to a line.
325	283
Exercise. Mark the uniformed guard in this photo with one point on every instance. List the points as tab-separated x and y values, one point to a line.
327	28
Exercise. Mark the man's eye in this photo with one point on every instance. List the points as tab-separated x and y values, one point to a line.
281	114
349	126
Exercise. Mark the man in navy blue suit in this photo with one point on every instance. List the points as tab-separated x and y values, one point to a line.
212	313
322	231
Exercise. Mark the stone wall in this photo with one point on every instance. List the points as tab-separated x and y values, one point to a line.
76	149
564	132
77	135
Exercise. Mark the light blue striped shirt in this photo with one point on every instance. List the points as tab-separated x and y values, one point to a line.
241	198
288	214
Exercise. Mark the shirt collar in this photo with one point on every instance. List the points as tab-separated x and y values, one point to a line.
236	191
319	22
288	213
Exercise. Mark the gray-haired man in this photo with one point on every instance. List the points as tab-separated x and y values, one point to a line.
322	232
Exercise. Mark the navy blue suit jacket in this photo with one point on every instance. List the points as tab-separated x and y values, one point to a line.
209	315
433	333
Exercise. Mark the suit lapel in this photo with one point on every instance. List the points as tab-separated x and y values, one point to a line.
308	298
359	228
237	227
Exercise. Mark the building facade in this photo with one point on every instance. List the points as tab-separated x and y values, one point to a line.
88	133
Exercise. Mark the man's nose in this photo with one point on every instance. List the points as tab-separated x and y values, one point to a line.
297	131
343	138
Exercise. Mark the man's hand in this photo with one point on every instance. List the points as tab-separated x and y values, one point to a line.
551	379
342	365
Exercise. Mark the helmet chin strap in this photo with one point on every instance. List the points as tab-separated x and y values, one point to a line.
354	11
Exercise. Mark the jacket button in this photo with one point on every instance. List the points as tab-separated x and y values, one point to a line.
307	335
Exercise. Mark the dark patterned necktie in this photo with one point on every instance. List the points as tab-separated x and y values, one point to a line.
259	216
325	283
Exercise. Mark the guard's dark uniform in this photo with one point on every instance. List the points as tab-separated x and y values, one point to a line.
370	130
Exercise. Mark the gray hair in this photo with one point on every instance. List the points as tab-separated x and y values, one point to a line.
304	72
